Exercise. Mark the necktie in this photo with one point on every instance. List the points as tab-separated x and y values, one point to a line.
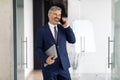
55	34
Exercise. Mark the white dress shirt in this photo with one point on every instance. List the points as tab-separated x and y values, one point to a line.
52	29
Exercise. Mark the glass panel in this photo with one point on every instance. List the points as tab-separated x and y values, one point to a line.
20	37
91	23
116	55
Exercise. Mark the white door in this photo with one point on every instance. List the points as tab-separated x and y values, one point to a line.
24	37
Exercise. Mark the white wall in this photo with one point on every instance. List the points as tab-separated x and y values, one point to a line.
6	40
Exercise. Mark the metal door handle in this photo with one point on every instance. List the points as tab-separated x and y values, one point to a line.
26	53
109	58
82	45
26	62
21	53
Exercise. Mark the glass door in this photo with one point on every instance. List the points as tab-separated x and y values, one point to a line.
90	56
116	56
24	35
20	39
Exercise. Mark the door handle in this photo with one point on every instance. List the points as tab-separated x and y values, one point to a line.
82	45
26	52
109	55
26	62
21	53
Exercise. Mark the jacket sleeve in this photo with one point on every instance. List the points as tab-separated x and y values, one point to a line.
70	35
39	45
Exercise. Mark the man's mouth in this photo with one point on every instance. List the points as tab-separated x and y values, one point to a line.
56	19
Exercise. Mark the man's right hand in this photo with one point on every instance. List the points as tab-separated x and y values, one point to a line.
50	60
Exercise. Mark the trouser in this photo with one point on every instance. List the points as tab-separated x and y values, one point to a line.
56	72
56	75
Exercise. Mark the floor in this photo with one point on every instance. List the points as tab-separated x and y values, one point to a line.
35	75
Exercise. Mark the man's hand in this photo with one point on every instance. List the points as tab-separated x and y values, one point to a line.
65	22
50	60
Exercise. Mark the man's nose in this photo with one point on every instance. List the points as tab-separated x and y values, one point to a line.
58	16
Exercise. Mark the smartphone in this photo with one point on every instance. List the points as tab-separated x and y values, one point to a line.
61	21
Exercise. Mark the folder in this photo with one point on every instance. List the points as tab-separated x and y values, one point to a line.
51	51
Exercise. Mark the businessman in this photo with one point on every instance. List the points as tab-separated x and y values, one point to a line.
54	33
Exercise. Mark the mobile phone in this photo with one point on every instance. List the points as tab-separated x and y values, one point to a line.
61	21
63	16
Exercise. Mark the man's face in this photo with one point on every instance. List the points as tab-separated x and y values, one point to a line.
54	17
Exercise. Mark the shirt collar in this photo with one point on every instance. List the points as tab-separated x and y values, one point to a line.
51	25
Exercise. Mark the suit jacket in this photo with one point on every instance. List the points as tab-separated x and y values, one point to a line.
44	39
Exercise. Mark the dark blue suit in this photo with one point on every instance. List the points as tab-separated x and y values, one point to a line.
44	40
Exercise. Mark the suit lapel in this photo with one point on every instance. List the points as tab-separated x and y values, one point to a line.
59	34
49	34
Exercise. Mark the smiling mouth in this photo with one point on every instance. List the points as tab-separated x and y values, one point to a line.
57	19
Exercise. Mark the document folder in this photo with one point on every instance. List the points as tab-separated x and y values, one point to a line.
51	51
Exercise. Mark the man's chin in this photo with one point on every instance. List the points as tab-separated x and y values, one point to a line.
56	22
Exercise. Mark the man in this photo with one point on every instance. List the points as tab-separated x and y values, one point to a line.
56	69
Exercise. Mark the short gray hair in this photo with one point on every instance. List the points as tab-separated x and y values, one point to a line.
54	8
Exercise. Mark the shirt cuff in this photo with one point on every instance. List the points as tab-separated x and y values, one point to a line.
66	26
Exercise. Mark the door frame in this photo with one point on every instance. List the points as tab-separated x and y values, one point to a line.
15	39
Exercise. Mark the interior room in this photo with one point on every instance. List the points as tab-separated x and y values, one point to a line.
94	56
